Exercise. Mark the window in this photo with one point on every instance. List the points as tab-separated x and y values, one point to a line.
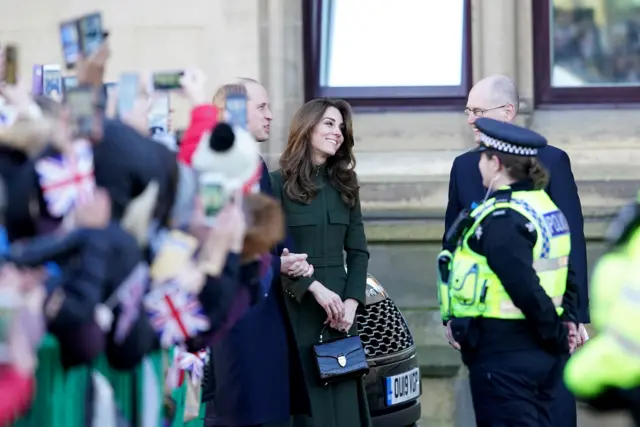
587	51
377	53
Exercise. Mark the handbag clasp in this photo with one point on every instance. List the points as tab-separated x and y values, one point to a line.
342	360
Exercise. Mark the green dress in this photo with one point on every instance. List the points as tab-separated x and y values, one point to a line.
325	229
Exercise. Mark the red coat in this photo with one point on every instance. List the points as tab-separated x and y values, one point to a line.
203	118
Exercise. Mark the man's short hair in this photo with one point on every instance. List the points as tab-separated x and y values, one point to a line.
506	92
245	80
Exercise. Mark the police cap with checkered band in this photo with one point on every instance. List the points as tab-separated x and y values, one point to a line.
508	138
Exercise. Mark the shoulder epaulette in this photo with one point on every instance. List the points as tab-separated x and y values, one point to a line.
503	196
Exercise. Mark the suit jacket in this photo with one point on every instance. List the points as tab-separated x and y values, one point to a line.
465	187
249	367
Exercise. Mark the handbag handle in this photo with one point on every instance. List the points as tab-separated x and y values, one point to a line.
324	328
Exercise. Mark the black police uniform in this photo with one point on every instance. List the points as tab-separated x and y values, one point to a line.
515	366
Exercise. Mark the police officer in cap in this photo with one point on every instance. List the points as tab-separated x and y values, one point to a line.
507	294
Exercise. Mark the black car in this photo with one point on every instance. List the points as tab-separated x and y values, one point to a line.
393	384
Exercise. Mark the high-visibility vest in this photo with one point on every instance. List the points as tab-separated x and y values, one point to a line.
474	290
612	358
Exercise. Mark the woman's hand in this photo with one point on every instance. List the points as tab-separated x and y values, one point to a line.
329	301
450	338
350	307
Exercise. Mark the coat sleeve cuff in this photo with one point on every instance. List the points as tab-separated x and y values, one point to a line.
296	287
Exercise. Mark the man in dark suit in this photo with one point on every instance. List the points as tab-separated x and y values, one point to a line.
252	372
496	97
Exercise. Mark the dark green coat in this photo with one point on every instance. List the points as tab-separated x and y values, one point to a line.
325	229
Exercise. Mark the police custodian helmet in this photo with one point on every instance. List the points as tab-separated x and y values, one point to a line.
508	138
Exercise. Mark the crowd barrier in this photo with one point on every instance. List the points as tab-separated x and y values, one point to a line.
62	398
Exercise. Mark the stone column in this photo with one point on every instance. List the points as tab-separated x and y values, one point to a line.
502	44
281	70
495	36
524	56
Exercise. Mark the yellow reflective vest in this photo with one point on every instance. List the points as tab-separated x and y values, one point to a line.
612	358
474	290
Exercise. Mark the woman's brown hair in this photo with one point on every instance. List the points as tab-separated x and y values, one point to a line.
522	168
296	162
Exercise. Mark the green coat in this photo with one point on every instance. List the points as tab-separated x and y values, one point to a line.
325	229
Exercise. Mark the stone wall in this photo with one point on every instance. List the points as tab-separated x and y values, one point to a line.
263	39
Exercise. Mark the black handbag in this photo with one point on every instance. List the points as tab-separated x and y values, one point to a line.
340	358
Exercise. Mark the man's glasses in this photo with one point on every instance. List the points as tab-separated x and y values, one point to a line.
479	112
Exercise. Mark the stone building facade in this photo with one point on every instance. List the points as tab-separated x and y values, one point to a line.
404	147
265	39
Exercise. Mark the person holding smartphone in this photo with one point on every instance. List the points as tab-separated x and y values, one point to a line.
260	384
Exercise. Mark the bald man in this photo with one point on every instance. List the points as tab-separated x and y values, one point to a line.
496	97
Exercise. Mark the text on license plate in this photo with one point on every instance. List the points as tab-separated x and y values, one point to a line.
403	387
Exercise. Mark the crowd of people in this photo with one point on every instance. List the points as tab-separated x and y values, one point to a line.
148	283
596	54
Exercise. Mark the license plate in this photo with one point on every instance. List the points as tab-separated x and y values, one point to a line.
403	387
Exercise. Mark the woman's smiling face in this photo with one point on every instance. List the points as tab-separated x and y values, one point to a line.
327	135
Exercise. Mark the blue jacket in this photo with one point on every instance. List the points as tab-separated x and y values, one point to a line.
465	187
250	365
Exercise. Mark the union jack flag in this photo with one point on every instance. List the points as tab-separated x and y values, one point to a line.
192	362
66	179
130	294
175	314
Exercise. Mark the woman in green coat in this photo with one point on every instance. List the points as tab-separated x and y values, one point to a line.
318	189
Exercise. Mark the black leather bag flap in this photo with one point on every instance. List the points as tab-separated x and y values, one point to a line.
341	359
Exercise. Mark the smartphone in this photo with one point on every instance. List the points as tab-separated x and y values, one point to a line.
82	36
236	107
69	39
91	34
167	80
128	88
179	134
36	80
213	195
81	108
52	81
69	82
11	64
159	111
109	90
